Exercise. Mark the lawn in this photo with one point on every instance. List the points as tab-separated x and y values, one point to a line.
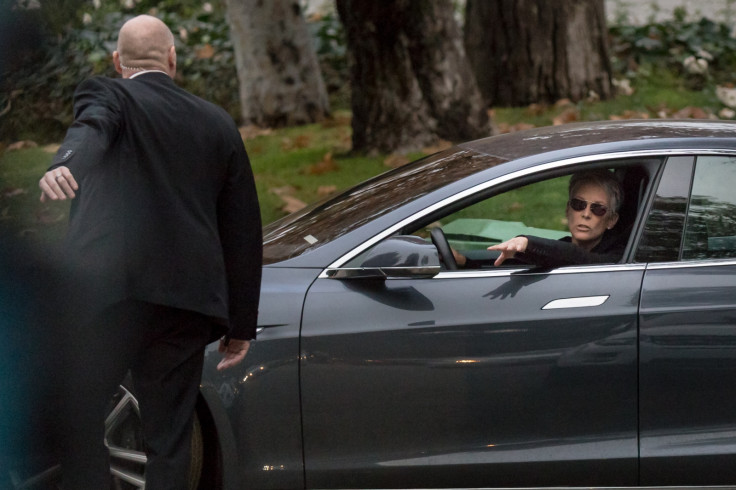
300	165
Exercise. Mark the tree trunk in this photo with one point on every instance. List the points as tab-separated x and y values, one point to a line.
525	51
410	80
280	80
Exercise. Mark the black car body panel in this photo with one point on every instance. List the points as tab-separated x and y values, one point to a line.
614	375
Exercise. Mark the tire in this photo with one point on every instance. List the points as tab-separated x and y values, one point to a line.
124	439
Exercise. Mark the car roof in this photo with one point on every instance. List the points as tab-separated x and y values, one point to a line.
658	132
465	165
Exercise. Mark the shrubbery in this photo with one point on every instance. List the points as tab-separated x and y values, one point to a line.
70	45
702	50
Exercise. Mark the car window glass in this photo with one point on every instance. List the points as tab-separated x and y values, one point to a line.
535	209
322	222
710	230
539	210
662	235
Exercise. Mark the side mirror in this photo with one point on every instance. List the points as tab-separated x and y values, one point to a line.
400	256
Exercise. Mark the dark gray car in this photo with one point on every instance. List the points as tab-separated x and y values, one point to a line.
377	366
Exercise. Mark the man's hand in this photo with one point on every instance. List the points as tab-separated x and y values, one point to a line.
509	248
58	184
233	353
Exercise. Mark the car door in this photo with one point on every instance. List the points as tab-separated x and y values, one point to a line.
688	326
498	377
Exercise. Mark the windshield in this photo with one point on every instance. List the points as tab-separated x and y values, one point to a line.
322	222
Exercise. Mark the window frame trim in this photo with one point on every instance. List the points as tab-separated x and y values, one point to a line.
541	168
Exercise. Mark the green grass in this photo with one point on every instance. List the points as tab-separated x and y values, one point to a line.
22	215
308	162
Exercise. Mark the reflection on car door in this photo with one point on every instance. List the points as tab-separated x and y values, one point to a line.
467	380
688	328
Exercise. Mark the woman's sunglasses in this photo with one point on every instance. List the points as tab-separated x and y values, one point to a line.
595	208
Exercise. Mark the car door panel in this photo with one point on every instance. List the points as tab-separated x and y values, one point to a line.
465	380
688	371
688	330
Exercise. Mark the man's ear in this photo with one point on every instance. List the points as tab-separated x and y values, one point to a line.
116	62
172	61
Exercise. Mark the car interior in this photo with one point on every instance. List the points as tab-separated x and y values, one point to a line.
472	225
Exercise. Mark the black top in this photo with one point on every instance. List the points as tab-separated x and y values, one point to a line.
544	252
548	253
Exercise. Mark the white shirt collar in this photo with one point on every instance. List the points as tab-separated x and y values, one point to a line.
147	71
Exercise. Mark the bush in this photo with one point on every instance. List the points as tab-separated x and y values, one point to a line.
701	49
36	92
37	88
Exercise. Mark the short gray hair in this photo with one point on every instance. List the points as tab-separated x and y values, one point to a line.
602	178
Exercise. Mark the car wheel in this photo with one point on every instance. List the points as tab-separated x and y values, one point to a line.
124	439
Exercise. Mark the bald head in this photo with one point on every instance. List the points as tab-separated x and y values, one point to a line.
145	43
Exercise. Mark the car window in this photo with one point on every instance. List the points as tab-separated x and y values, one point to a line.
322	222
710	230
535	209
662	235
538	210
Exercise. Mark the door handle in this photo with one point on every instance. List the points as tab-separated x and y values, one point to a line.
579	302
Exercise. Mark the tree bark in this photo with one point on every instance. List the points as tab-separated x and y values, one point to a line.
410	80
525	51
280	80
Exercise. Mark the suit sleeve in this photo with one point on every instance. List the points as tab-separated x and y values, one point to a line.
239	221
96	122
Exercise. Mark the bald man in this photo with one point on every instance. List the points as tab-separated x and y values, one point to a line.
163	252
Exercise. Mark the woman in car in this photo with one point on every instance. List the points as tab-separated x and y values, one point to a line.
592	212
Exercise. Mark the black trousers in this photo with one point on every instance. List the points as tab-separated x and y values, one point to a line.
163	348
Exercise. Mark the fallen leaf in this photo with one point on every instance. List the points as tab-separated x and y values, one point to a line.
292	204
282	191
326	190
301	141
623	86
327	164
535	109
727	95
252	131
437	147
12	192
566	116
205	52
337	120
691	112
563	103
48	216
395	160
516	206
726	113
21	145
512	128
629	114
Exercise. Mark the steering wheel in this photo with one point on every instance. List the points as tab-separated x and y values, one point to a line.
443	246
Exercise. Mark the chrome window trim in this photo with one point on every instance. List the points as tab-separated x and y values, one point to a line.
686	264
571	269
514	175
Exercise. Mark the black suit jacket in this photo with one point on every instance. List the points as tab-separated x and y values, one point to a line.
166	210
